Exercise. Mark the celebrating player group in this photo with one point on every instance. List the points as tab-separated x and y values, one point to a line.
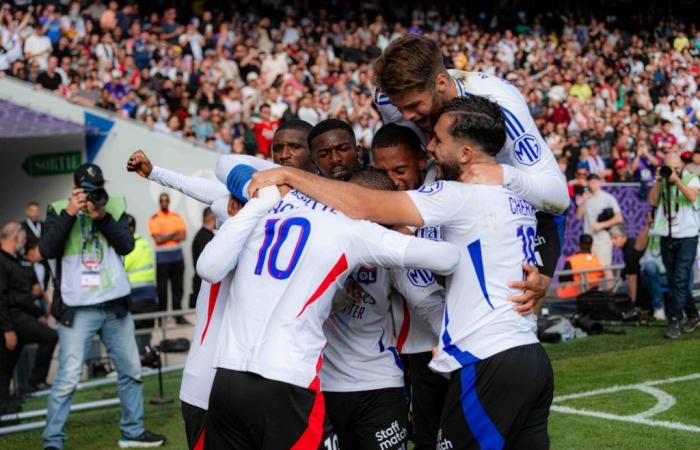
355	308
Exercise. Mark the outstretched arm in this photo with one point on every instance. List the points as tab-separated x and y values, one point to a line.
357	202
200	189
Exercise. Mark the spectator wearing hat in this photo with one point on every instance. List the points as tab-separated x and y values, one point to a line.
87	235
599	211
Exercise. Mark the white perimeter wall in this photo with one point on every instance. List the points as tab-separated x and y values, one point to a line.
126	136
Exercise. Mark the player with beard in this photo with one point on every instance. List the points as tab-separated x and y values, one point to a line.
501	381
290	145
413	84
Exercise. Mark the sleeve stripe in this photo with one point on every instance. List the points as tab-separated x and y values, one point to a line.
512	117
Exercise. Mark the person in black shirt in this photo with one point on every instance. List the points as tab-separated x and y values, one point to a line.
201	239
50	79
21	321
632	250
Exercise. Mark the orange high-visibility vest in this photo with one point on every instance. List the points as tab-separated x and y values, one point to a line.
581	261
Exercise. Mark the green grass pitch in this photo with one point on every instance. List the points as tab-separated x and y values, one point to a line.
579	366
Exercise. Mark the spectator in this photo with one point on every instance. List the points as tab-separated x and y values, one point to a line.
141	269
583	260
87	239
264	129
599	211
50	78
201	239
594	162
21	321
676	221
37	48
168	230
694	166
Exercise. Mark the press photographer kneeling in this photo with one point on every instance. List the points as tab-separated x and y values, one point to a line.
675	192
87	234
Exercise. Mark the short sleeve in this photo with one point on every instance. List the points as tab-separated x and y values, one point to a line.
153	228
439	203
181	225
375	245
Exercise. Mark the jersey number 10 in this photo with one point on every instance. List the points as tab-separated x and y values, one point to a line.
527	235
281	233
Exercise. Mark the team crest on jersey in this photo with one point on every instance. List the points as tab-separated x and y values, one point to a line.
420	277
527	150
431	188
432	233
366	275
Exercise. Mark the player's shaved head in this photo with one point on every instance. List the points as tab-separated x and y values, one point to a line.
373	179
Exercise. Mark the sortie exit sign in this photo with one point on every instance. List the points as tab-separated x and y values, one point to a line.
52	163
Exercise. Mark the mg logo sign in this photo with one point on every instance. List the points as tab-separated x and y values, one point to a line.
527	150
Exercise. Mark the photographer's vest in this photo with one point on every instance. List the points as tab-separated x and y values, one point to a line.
683	212
92	272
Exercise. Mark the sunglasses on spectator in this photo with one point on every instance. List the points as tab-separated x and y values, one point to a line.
581	174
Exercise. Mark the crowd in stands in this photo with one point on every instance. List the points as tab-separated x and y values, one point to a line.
608	101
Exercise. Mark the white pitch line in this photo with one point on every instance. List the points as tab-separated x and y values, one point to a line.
664	402
632	419
618	388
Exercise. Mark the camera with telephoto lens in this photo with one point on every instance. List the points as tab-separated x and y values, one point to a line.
95	194
665	171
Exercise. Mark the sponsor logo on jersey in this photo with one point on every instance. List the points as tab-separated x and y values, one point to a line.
443	443
432	233
392	436
527	150
420	277
431	188
366	275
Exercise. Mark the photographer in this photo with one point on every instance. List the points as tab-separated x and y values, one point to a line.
675	193
87	234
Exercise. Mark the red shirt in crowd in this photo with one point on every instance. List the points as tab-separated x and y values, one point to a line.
264	130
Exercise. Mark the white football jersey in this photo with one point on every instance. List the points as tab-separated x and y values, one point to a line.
287	274
361	352
413	332
495	232
544	184
198	375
